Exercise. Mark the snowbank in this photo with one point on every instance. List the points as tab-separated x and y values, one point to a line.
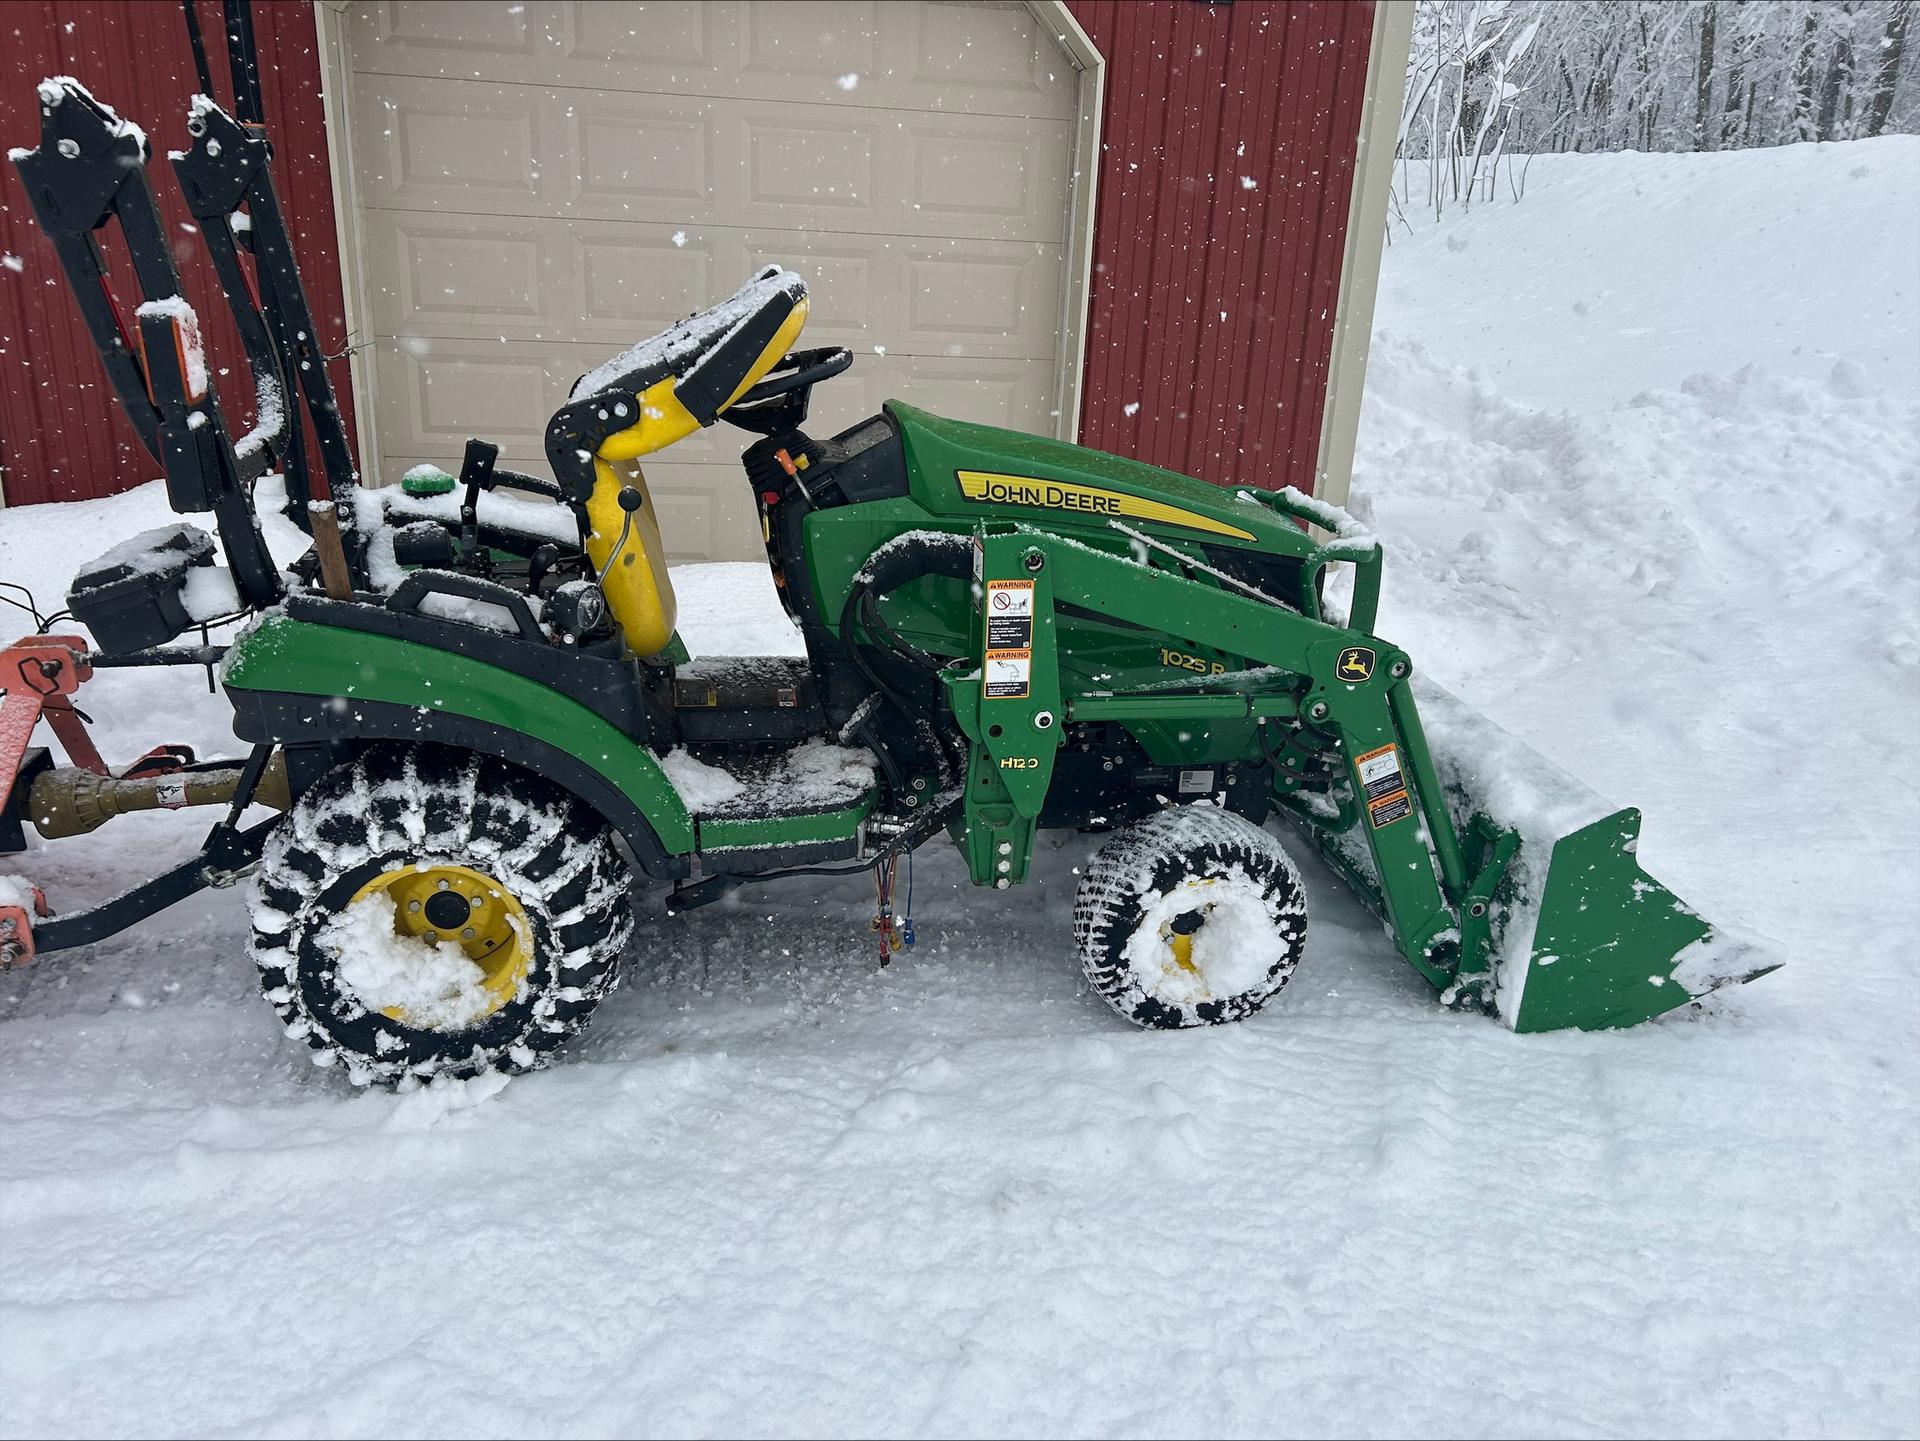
1617	273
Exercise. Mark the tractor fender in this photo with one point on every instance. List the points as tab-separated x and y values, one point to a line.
297	683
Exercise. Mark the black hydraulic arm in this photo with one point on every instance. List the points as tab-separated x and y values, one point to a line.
89	171
228	183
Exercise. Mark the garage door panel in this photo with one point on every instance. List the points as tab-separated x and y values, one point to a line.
789	41
798	161
432	145
693	515
421	26
1014	394
684	45
953	59
990	51
441	276
542	185
530	279
975	300
651	150
636	280
958	176
442	392
454	145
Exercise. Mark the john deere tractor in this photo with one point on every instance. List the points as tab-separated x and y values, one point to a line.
470	701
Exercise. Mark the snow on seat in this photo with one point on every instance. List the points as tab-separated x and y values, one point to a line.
710	353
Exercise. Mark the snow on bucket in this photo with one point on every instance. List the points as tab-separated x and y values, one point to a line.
1586	938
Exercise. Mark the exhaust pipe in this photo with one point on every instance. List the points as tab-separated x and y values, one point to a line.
69	801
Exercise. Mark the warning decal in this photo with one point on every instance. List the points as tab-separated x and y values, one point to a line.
1009	674
1385	786
1009	615
1380	772
1388	809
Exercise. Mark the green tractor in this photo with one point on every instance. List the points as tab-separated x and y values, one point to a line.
471	702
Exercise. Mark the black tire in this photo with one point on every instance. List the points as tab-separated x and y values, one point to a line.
1201	872
400	811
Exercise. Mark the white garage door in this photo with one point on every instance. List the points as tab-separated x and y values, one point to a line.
539	185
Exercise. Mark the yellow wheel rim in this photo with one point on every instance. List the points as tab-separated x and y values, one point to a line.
460	906
1182	947
1180	943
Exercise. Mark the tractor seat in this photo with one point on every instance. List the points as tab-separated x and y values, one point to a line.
643	400
711	356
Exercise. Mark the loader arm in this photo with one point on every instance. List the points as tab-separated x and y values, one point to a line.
1583	936
1015	729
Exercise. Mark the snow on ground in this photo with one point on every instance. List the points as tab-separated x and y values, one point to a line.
777	1190
1620	272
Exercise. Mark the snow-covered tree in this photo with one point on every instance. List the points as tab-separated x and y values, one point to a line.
1490	79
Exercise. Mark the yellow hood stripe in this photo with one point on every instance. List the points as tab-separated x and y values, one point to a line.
992	488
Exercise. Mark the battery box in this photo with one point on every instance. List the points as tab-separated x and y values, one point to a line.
134	595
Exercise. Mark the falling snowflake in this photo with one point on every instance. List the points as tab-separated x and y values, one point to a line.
679	237
1132	407
13	263
1247	182
849	81
879	350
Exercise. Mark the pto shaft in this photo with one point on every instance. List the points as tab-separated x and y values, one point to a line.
69	801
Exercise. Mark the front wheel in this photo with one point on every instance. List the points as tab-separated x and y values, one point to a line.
1193	917
425	911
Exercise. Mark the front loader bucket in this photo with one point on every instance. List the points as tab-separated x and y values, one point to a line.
1585	937
1611	946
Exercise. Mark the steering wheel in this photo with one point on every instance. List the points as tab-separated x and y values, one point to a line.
810	367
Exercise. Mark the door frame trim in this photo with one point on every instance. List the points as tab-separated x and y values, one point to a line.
1083	194
1366	236
336	83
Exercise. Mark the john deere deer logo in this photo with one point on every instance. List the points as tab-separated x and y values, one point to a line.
1355	664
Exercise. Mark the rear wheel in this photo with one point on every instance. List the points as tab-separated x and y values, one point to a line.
425	911
1193	917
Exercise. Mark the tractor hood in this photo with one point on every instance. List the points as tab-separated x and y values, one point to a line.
975	472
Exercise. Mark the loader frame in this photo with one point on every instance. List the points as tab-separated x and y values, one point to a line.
1420	879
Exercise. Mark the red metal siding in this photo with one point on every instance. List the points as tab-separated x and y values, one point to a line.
61	435
1212	303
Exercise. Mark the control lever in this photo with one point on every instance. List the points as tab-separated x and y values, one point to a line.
630	500
476	474
539	563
